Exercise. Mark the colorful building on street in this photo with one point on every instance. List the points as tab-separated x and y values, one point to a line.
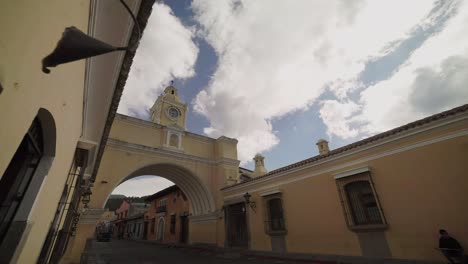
127	215
135	226
167	216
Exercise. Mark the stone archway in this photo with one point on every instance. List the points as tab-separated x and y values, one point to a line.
199	165
201	200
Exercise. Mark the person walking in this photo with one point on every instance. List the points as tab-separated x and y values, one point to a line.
450	247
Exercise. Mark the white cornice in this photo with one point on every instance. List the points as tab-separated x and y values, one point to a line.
141	122
137	121
270	192
350	172
247	185
206	218
224	138
137	148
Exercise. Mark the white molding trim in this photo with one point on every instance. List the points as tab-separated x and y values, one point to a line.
204	219
169	133
90	216
245	186
351	172
138	149
239	198
137	121
140	122
270	192
91	147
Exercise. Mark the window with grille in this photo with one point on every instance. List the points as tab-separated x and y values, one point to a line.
274	215
173	224
360	202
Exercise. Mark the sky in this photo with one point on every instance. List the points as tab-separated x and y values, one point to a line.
279	75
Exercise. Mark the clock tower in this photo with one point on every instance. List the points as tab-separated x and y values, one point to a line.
169	110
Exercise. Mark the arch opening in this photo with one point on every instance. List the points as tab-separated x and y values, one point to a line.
201	200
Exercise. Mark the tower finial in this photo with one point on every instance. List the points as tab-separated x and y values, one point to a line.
172	83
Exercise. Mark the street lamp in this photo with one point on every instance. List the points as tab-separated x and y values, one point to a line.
248	202
86	197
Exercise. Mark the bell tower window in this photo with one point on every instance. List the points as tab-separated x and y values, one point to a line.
174	141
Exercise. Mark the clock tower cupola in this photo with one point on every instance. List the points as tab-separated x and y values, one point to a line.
169	110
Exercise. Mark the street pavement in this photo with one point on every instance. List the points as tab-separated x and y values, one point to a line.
125	251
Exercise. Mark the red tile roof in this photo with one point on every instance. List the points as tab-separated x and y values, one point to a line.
366	141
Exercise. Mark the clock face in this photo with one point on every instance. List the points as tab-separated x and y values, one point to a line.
173	112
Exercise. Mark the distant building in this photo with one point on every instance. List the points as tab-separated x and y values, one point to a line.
167	216
134	226
126	216
244	174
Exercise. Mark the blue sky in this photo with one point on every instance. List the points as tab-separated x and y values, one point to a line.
281	76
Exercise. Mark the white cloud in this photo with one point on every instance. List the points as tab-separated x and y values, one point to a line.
276	57
338	116
166	51
432	80
143	185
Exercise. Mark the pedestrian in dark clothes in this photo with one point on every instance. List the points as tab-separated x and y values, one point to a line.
450	247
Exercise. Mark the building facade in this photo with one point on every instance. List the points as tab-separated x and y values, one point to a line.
167	216
127	216
371	200
135	227
55	122
199	165
381	198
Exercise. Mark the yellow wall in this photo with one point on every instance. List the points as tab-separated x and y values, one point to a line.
30	31
200	168
202	233
421	190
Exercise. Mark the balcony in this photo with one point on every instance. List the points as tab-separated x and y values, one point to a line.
161	209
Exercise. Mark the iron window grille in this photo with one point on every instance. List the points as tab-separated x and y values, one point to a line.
161	209
274	215
360	202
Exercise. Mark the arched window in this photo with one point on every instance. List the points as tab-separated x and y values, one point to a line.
22	180
174	141
362	203
275	215
19	173
161	227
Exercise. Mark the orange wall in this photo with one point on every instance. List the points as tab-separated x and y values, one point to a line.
175	205
421	190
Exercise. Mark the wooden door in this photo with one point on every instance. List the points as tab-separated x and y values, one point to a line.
183	229
237	235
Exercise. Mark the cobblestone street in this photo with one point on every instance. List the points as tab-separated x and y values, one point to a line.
124	251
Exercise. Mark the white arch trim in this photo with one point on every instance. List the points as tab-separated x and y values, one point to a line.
201	199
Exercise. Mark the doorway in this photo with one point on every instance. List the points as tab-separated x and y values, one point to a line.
161	227
183	229
22	179
145	230
236	226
